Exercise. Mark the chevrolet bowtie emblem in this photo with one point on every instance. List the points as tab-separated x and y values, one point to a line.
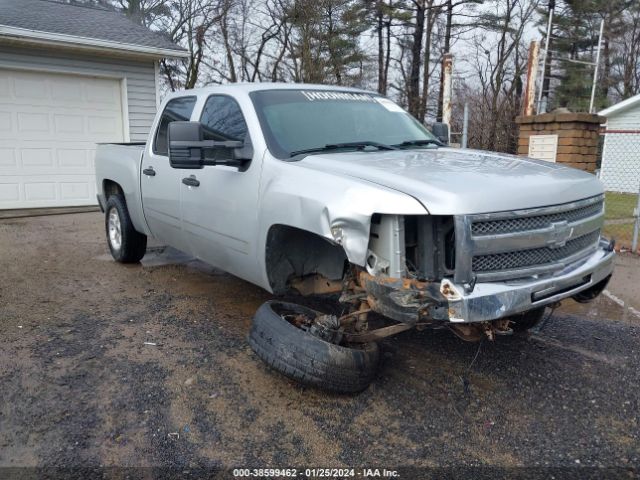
560	233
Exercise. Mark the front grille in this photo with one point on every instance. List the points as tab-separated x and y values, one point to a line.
510	245
534	257
523	224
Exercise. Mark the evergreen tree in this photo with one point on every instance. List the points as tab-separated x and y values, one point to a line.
573	51
326	47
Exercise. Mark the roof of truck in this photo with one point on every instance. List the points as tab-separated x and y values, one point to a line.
256	86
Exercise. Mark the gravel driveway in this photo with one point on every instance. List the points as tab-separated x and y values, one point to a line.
109	365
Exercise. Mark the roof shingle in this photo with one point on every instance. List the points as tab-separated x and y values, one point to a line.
80	21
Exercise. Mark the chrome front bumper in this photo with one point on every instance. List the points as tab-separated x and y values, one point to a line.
490	301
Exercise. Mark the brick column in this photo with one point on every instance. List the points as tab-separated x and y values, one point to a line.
578	136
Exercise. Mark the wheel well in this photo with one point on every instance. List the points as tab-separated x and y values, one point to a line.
293	253
109	187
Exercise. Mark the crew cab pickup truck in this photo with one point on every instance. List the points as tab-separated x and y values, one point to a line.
340	192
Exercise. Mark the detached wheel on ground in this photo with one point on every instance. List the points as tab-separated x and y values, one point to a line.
125	243
527	320
306	358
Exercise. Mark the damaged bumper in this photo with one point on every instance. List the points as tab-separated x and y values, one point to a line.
411	301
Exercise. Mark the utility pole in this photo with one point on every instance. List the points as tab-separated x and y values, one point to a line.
465	126
528	106
447	88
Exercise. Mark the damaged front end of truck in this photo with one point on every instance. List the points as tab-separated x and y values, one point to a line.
473	274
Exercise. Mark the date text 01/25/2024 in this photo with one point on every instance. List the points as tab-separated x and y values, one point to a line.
315	473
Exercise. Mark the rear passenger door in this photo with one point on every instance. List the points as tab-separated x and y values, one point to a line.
220	214
160	183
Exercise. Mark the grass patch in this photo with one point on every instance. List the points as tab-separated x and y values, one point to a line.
622	232
619	205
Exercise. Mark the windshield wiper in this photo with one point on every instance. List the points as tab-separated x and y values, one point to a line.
417	143
337	146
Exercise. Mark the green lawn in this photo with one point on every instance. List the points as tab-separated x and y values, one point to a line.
619	205
623	233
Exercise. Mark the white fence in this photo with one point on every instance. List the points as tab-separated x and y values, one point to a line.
620	173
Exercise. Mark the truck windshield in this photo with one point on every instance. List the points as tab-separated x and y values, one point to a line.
299	122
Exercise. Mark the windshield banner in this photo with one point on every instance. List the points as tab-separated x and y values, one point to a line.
313	96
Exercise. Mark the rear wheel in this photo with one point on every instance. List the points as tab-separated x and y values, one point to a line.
277	338
125	243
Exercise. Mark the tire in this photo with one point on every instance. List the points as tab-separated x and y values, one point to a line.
128	245
527	320
306	358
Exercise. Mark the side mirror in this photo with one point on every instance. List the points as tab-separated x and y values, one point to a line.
185	144
187	149
441	132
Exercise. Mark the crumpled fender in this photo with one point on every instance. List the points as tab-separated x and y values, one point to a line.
334	207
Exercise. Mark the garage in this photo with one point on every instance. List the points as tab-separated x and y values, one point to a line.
71	76
49	125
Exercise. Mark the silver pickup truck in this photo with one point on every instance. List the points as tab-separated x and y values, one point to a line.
339	192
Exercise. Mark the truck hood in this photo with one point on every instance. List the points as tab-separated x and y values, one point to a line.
451	181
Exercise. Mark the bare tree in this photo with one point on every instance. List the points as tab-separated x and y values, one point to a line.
625	76
433	25
326	41
499	61
185	22
451	29
413	87
432	15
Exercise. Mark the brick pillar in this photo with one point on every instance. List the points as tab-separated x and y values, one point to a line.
578	136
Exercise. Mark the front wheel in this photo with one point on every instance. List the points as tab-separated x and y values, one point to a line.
277	338
125	243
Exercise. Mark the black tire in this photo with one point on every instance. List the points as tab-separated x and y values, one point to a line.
306	358
133	244
527	320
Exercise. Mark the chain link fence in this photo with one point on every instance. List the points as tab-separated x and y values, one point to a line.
619	164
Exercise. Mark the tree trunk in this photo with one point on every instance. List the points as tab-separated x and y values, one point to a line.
231	64
387	59
416	60
379	33
446	48
606	71
431	17
167	71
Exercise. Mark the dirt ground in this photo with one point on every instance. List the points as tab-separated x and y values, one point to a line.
109	365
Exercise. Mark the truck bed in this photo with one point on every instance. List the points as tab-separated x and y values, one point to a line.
120	163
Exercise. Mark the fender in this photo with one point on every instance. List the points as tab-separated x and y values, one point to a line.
336	208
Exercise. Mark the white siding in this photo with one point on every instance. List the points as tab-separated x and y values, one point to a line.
620	170
626	120
139	75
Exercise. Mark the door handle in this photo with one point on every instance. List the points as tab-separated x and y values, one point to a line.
149	171
191	181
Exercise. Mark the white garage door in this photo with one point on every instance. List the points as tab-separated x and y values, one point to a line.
49	125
